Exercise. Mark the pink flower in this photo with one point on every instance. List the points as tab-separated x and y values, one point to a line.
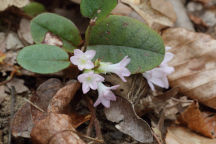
83	59
105	95
158	76
118	68
89	80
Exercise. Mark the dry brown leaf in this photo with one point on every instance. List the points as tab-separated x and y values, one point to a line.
2	42
18	84
164	7
13	42
180	135
153	18
63	97
2	93
55	129
60	103
201	122
203	1
2	57
28	115
122	9
197	20
17	3
22	122
122	112
49	92
24	31
194	63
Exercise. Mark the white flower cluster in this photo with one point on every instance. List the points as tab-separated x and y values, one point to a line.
91	80
158	75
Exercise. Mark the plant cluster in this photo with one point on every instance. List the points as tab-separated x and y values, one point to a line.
113	44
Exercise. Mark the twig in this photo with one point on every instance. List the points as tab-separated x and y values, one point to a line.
40	109
89	103
90	138
93	120
182	101
13	93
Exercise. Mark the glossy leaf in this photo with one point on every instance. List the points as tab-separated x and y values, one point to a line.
43	58
63	28
97	8
118	36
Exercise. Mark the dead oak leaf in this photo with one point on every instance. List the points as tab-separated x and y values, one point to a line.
55	129
194	63
201	122
154	18
27	115
63	97
122	112
24	31
180	135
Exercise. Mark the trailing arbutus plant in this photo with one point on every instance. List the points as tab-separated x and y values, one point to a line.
113	44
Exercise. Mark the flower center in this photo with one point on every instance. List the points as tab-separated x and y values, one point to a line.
82	61
89	79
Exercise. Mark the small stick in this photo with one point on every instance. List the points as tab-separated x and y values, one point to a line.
89	103
34	105
13	93
93	120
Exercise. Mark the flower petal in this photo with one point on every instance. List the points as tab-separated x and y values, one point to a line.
168	56
125	61
78	52
85	88
90	54
97	102
105	102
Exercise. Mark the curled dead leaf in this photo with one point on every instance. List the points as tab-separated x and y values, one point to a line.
194	63
2	57
164	7
27	115
24	31
201	122
55	129
180	135
63	97
22	122
154	15
60	103
122	112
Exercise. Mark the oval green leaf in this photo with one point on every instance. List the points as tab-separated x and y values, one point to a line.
118	36
97	8
57	25
43	58
34	8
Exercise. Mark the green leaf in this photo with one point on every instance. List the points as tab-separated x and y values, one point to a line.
117	36
97	8
43	58
34	8
59	26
